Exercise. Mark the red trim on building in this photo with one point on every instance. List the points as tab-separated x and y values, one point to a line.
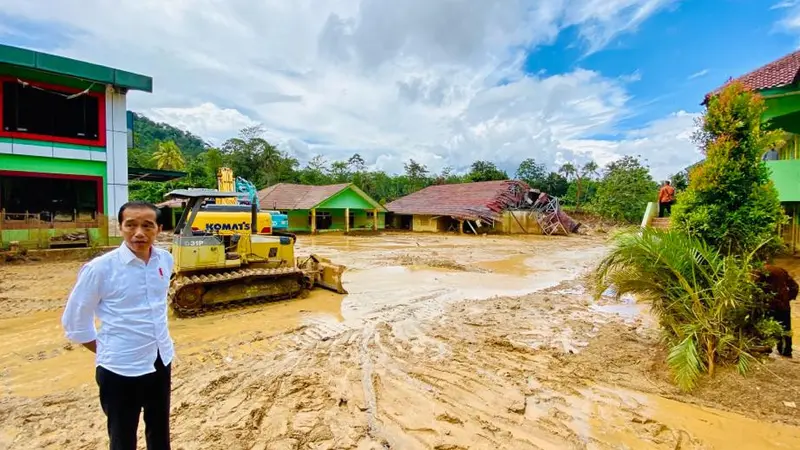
97	180
101	117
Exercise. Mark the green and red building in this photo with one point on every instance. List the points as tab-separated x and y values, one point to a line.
778	82
64	137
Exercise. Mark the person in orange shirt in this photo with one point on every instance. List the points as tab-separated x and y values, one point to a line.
666	197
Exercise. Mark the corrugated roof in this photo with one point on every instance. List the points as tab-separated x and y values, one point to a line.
485	200
296	196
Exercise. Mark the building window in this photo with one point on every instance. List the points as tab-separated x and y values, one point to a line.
370	214
57	198
52	113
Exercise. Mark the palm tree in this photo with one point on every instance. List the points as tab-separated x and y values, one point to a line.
168	156
571	172
707	305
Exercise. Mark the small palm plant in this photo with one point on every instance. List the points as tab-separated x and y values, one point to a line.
707	305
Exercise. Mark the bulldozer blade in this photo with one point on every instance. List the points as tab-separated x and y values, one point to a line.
331	277
324	273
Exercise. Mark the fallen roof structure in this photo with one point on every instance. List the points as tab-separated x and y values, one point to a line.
485	200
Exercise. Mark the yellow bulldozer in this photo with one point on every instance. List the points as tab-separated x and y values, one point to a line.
212	269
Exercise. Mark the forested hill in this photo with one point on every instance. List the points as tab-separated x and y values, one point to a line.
148	133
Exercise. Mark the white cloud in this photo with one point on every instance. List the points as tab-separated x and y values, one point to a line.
664	144
196	120
790	22
438	81
698	74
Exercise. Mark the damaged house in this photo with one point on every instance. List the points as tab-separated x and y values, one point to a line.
466	208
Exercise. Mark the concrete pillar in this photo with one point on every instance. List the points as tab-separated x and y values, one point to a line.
374	220
347	220
313	221
460	227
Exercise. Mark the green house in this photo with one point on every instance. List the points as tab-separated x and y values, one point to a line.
778	82
333	207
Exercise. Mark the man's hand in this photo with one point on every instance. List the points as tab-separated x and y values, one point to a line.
92	346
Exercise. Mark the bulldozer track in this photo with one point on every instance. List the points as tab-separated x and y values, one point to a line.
182	282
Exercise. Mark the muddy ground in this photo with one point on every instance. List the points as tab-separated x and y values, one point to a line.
443	342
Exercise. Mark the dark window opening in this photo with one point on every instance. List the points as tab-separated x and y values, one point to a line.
49	112
351	219
324	220
48	199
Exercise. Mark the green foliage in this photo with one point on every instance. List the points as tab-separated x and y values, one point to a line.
147	134
532	173
485	171
168	156
731	202
680	181
705	302
579	175
624	190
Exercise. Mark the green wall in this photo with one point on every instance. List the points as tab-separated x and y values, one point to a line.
298	219
22	163
347	198
786	176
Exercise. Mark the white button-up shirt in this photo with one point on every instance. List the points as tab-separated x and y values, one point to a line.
129	298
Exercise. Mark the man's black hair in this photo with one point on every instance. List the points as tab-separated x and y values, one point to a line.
137	204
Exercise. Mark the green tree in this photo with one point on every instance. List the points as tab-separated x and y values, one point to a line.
731	202
532	173
579	176
147	134
485	171
624	190
168	156
680	181
253	158
340	172
555	185
709	309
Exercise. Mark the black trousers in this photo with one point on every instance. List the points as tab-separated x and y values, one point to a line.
784	317
664	208
124	398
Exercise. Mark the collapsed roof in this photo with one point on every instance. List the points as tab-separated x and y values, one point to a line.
484	200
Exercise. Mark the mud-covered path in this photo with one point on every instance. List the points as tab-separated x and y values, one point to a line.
443	342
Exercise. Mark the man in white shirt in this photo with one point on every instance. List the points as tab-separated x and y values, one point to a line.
126	289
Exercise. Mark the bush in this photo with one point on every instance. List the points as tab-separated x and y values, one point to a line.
624	191
731	202
708	306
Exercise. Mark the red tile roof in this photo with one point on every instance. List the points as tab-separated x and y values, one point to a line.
296	196
781	72
485	200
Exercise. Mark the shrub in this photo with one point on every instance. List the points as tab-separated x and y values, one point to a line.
624	191
708	306
731	202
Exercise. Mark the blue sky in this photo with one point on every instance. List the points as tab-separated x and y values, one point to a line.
715	38
415	79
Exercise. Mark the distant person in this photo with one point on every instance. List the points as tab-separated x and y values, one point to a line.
126	289
783	288
666	197
770	155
